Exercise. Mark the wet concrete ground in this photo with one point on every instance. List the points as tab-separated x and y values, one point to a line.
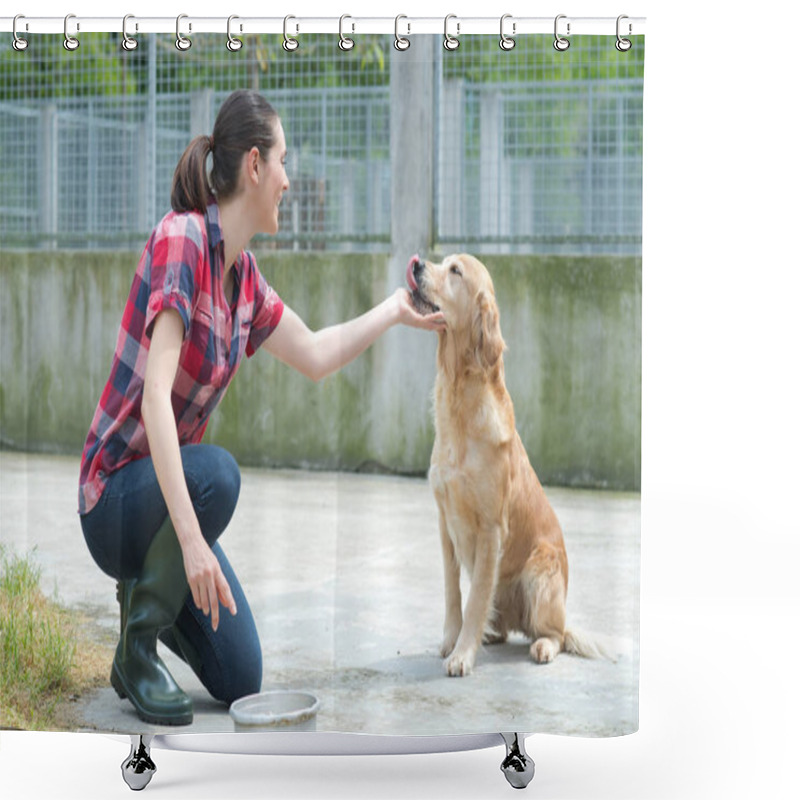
344	576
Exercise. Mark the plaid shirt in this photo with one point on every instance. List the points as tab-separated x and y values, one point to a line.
181	268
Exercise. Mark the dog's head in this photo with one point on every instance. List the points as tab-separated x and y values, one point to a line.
462	289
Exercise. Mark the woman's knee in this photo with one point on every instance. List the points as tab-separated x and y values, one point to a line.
226	476
214	481
245	677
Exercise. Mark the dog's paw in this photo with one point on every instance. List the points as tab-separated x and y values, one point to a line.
491	636
544	650
449	643
459	665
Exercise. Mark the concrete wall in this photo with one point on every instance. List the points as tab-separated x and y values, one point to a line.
573	366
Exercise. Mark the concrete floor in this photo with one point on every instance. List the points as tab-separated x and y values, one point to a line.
344	576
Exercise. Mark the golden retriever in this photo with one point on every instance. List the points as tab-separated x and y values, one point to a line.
494	517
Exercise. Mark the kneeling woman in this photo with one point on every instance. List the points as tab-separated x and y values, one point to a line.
153	500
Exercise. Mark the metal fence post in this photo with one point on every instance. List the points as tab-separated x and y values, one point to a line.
91	223
589	183
202	120
491	185
48	176
452	159
151	121
144	190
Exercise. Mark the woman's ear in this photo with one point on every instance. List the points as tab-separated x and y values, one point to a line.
488	340
252	164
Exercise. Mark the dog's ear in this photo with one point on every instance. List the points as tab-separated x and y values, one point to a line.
488	340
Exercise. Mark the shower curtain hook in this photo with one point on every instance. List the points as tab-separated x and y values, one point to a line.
401	42
451	42
560	43
181	42
290	44
127	42
233	44
623	45
344	42
507	42
18	43
70	42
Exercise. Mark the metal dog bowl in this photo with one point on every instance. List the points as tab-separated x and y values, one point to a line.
276	710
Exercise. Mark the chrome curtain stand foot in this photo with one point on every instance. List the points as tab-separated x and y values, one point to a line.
518	766
138	768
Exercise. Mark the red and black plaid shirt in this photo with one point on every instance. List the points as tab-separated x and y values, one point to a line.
181	268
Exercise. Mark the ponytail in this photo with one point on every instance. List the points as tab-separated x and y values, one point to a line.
245	120
191	190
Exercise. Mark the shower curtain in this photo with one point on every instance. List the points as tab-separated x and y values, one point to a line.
528	156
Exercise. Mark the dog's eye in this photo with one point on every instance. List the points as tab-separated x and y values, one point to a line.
455	270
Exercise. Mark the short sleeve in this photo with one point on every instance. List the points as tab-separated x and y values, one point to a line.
176	250
267	311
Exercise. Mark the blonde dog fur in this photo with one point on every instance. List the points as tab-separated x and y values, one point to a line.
494	517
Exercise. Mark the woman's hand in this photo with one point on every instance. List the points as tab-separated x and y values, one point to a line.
410	316
206	581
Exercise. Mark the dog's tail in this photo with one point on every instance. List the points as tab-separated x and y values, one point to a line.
589	645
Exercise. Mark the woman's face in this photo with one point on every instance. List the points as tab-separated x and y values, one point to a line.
275	182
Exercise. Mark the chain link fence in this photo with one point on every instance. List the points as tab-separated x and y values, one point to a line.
536	151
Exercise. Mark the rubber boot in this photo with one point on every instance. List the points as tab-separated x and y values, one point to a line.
149	604
182	647
171	637
124	589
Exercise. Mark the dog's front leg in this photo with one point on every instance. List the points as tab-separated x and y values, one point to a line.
452	590
479	602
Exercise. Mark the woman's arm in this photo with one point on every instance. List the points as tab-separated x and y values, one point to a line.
318	354
206	581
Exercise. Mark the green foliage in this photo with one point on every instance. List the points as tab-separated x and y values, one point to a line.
36	650
47	70
479	60
100	67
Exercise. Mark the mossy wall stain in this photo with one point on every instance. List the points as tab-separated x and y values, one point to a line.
573	365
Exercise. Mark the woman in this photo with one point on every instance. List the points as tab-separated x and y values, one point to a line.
153	500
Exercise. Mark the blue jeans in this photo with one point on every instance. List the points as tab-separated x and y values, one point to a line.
118	532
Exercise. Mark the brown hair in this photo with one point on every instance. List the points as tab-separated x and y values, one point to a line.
245	120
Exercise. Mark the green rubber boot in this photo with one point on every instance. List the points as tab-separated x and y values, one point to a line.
171	637
147	605
124	589
180	645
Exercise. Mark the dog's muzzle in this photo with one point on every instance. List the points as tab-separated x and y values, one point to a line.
414	278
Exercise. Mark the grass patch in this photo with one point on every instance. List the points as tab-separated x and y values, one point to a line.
47	658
